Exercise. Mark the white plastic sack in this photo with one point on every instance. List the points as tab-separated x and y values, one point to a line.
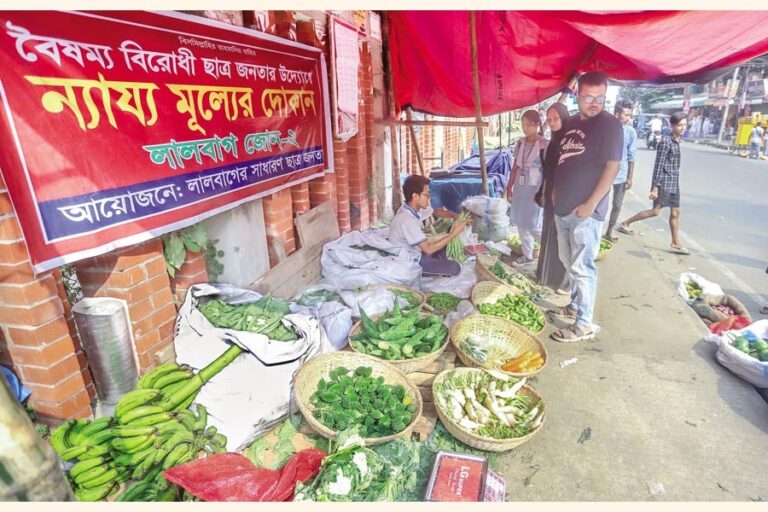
334	317
491	216
375	301
349	268
460	285
463	310
253	393
748	368
708	287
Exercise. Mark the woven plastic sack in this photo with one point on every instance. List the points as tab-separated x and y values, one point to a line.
232	477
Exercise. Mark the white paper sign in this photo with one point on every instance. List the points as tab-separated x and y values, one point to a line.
346	61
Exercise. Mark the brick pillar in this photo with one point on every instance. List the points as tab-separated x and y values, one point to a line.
278	220
34	336
341	171
138	275
193	271
366	110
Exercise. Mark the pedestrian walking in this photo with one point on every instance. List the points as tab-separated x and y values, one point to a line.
623	113
591	150
524	182
550	270
665	185
755	141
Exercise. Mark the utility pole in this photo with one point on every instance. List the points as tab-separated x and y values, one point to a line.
727	106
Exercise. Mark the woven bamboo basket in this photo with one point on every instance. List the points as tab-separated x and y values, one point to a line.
404	365
507	334
601	254
305	385
417	295
486	292
488	444
483	271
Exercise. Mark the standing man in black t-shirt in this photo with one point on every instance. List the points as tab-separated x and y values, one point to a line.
590	152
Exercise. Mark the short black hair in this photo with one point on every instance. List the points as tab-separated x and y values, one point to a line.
675	118
593	78
621	105
414	184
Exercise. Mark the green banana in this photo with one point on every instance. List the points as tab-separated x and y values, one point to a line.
134	492
202	418
168	494
172	378
83	466
135	458
92	473
132	431
97	493
211	432
123	475
190	388
170	390
140	471
176	454
186	418
73	453
59	436
184	436
219	440
132	400
108	476
148	379
98	438
153	419
139	412
75	430
132	444
186	403
96	451
96	426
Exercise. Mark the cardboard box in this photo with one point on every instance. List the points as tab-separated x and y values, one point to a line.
463	477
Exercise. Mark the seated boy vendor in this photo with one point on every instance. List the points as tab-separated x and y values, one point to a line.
406	230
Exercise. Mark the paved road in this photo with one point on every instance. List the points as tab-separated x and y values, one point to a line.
724	220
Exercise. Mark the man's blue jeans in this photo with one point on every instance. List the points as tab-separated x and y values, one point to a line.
754	149
578	242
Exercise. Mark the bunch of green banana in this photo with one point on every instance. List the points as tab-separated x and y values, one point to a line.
95	474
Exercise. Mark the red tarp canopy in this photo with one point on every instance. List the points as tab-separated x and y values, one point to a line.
527	56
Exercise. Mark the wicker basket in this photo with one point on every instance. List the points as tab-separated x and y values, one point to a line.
488	444
497	330
305	385
486	292
483	270
404	365
416	294
601	254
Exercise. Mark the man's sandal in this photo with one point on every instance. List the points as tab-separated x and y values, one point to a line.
625	230
564	313
680	250
613	239
572	334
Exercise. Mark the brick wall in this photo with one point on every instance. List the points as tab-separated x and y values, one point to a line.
193	271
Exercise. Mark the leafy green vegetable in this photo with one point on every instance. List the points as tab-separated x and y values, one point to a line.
256	451
514	278
443	302
355	399
399	335
442	440
263	316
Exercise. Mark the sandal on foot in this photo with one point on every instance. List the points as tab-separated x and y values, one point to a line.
613	239
680	250
564	313
573	333
623	229
764	311
560	291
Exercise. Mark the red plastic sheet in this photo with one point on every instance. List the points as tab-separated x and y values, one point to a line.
732	323
232	477
527	56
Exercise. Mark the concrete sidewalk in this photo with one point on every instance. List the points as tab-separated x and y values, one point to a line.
645	404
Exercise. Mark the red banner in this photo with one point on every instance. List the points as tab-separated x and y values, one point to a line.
117	127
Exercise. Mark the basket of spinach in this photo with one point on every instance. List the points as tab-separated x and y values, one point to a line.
343	390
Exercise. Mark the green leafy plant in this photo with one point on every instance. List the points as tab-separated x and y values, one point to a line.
193	239
71	284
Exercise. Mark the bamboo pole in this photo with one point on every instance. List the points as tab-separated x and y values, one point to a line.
478	108
29	468
429	122
415	142
397	188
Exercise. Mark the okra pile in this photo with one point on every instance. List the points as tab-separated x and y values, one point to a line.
398	335
355	399
518	308
263	316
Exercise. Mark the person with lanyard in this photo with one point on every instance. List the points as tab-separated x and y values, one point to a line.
406	230
524	183
550	271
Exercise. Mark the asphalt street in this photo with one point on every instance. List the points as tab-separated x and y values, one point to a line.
724	220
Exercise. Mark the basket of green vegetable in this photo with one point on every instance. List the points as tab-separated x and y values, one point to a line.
489	268
487	410
605	248
343	390
505	302
410	340
441	302
491	342
516	245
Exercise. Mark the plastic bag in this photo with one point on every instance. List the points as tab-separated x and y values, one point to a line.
463	310
460	285
232	477
336	319
17	390
374	301
490	217
729	324
745	366
707	287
